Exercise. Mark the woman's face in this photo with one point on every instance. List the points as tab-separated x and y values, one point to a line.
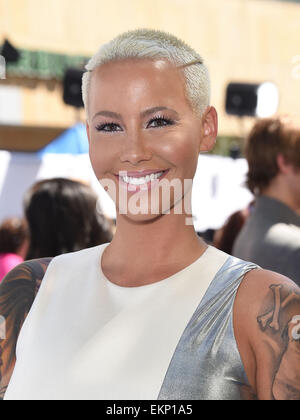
143	132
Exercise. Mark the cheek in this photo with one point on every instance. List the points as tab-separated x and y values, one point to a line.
182	152
100	158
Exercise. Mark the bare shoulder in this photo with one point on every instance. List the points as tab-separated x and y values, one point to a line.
17	293
267	324
28	270
259	292
262	286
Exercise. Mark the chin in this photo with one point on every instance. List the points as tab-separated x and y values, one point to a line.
150	216
150	212
141	218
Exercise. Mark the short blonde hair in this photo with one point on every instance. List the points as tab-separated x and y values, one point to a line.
152	44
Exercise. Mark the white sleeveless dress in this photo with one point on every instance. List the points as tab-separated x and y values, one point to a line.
86	338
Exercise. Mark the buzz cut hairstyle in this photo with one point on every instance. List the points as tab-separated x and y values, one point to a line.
155	45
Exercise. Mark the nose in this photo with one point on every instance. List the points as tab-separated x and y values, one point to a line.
135	149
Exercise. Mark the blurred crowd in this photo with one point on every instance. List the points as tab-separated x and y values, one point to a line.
61	215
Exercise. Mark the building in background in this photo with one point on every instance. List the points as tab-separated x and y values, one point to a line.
241	40
247	41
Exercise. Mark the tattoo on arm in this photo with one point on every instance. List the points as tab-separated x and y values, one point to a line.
17	293
280	325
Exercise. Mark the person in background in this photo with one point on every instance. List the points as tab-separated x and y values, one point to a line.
271	235
225	236
13	244
63	216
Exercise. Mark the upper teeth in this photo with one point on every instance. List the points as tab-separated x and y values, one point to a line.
142	179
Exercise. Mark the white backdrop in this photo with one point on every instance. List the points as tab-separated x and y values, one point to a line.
218	189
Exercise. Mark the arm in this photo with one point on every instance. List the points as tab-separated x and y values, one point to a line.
267	326
17	293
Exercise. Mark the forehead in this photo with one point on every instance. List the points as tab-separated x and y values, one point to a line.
137	67
134	79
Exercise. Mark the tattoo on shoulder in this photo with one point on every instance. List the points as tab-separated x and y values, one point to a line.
17	293
281	300
280	323
21	285
2	392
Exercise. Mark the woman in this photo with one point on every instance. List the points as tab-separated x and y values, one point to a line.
155	314
63	217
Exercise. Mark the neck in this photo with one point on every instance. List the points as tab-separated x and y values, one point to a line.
282	189
281	192
151	250
156	239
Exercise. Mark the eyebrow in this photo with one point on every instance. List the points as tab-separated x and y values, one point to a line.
145	113
108	114
156	109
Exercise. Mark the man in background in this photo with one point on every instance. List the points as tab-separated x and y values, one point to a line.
271	235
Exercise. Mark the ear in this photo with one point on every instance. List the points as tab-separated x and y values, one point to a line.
209	129
284	166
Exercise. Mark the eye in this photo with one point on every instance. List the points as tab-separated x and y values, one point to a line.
108	127
159	121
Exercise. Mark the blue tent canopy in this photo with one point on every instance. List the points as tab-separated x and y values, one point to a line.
72	141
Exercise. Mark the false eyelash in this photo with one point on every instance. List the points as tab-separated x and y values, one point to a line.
161	117
101	126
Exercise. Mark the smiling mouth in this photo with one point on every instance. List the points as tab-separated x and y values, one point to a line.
139	179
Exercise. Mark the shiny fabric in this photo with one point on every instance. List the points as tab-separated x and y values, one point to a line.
206	364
